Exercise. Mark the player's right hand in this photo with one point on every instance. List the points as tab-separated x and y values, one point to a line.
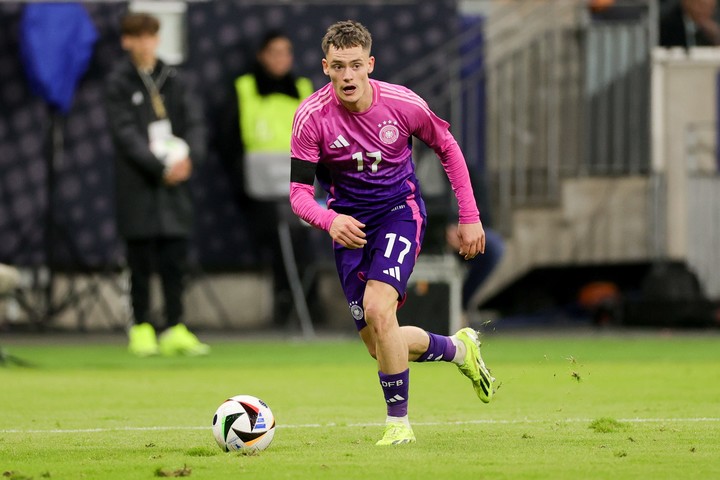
347	231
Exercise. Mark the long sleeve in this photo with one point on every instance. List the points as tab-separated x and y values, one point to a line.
302	200
456	169
435	132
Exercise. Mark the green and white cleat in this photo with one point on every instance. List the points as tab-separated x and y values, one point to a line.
474	367
396	433
143	342
178	340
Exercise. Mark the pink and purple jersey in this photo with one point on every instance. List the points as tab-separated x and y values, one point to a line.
364	160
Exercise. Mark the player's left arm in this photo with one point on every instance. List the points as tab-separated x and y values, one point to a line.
436	134
470	230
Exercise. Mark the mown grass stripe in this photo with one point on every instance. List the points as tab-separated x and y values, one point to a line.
369	424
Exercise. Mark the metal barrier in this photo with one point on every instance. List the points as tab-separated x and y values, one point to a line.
567	96
703	198
569	100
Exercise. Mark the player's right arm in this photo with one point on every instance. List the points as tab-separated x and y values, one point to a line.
347	231
305	154
344	229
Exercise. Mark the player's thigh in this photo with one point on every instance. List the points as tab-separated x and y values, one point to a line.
394	250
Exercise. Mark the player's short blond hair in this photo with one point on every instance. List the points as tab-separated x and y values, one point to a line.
347	34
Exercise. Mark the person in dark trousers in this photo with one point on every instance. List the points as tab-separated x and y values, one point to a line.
479	268
158	132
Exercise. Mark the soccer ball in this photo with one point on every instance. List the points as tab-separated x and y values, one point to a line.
243	422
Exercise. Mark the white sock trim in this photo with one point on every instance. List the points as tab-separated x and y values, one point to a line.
404	420
460	351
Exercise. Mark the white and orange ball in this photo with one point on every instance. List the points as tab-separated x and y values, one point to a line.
243	422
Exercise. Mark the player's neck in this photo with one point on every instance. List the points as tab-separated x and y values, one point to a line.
363	103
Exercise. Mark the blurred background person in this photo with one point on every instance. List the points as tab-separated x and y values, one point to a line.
689	23
9	278
260	122
158	132
477	269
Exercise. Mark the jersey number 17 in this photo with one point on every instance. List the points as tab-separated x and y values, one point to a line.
373	157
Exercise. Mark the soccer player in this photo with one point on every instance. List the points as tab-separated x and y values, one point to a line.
354	135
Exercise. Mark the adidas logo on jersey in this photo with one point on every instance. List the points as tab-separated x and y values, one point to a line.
339	142
393	272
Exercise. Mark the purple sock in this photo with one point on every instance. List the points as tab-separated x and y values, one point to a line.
441	348
396	390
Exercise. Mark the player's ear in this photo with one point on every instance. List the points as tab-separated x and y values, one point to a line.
326	67
371	64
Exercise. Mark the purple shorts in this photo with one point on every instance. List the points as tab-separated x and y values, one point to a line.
389	256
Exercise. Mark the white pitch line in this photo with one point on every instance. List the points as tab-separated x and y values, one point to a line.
374	424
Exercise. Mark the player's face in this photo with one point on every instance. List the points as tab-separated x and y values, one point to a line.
349	71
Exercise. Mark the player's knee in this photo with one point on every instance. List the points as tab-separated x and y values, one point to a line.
378	319
373	314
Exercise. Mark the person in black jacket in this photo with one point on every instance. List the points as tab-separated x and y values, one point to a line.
158	132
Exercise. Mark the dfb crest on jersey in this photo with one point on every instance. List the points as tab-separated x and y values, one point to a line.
389	132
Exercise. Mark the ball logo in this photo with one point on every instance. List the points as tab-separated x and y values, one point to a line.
389	132
260	423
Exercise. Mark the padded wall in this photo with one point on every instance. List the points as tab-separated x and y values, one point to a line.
222	36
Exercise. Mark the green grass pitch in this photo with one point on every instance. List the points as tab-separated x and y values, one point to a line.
567	407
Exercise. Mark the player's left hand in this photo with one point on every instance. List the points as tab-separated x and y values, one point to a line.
472	239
